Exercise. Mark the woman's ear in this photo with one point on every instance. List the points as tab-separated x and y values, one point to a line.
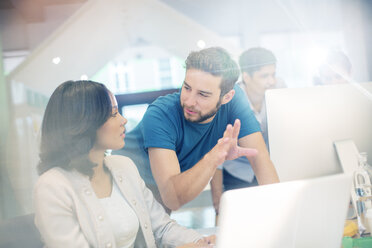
228	96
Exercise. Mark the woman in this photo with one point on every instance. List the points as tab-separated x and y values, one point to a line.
84	199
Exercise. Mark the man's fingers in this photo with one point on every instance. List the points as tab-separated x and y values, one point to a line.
228	131
236	129
248	152
223	140
223	146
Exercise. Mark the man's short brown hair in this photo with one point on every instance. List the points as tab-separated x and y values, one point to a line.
218	62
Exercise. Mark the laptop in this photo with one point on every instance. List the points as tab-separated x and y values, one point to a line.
296	214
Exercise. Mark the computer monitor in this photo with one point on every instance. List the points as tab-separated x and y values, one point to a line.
301	213
304	123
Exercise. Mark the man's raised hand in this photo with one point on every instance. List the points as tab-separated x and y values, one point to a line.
235	151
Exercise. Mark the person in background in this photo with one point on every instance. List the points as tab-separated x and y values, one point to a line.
86	199
183	137
335	70
258	74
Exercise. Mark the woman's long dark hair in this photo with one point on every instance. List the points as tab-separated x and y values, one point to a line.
75	111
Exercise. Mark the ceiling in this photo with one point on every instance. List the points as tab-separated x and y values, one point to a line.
32	10
94	28
25	23
95	32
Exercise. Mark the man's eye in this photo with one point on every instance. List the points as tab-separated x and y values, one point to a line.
203	95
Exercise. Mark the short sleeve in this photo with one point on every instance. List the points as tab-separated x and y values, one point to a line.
241	110
159	129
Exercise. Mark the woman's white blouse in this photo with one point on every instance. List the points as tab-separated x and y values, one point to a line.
68	214
123	220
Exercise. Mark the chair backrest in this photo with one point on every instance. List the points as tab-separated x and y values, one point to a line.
19	232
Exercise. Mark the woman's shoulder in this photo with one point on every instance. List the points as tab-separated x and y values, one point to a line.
53	175
119	163
117	160
53	181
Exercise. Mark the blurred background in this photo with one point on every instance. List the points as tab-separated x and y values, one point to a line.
140	46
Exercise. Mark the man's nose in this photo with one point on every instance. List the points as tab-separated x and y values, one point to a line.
190	100
271	82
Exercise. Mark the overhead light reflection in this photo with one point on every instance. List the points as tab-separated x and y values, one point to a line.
201	44
84	77
316	56
56	60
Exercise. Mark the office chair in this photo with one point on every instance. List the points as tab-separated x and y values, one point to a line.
19	232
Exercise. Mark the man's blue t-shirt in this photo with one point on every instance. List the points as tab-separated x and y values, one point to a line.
164	126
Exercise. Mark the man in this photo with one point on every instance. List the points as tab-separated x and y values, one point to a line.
183	137
335	70
258	68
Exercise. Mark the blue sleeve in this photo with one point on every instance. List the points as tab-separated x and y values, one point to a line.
241	110
158	129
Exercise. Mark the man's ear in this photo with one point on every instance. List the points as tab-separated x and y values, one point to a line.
246	77
228	96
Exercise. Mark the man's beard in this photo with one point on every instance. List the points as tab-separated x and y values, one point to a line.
205	116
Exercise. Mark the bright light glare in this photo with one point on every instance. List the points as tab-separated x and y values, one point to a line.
316	56
56	60
201	44
84	77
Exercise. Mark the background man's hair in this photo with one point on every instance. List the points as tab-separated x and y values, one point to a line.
254	59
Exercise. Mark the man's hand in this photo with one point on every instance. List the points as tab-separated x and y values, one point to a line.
178	188
205	242
227	147
235	151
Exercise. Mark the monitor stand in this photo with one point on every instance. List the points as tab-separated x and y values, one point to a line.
348	156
